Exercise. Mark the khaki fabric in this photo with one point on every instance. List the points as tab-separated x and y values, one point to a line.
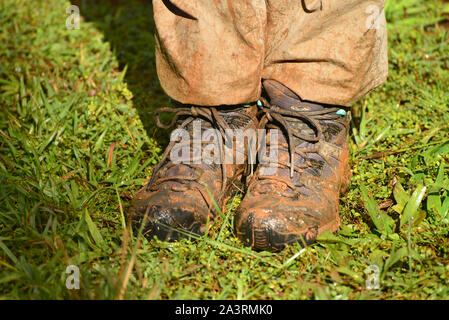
215	52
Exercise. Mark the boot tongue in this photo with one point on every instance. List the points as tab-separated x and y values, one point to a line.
285	98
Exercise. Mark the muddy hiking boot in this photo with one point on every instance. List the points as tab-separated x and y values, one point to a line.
179	198
299	200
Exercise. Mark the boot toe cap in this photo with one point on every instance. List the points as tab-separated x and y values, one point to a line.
272	229
167	220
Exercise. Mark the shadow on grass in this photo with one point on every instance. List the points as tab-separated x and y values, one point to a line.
128	25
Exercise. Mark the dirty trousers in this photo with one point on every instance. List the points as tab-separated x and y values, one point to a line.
215	52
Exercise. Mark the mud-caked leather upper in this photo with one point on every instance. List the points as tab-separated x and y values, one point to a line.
298	200
179	198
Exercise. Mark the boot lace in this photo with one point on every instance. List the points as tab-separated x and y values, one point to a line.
274	116
188	114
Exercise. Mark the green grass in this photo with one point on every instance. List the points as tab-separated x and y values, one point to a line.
78	139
